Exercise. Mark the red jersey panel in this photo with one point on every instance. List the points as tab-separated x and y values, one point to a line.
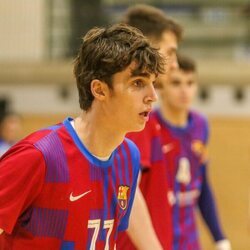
55	195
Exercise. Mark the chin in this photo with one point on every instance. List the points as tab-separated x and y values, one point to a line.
181	105
185	106
185	103
138	128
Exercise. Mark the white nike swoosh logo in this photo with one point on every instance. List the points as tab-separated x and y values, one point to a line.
75	198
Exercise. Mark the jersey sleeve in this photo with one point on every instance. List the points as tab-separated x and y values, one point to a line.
22	171
208	209
202	126
135	154
206	131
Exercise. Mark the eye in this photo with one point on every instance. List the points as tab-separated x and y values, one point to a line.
190	83
176	83
138	83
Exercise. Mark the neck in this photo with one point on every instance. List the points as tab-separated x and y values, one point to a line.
97	135
174	116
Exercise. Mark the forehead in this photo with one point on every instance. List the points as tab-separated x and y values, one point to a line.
179	73
168	41
133	71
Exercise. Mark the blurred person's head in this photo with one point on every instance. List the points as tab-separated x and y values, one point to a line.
10	127
178	91
163	32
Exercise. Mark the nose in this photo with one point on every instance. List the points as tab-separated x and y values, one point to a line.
184	89
151	95
174	63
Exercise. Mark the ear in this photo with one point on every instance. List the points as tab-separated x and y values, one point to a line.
99	89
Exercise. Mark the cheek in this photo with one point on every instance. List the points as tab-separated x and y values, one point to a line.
192	91
126	105
170	93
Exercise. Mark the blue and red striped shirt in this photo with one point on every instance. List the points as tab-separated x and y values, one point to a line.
54	194
185	156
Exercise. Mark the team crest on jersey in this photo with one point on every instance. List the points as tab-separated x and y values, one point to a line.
123	196
200	150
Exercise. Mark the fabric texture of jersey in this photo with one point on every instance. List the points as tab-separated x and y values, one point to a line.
55	195
153	184
185	156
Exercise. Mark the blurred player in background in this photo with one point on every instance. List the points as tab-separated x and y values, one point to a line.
71	186
156	173
184	135
164	34
10	130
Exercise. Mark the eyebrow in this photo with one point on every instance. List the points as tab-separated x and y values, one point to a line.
172	49
142	74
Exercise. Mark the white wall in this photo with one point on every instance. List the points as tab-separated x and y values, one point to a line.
40	99
22	30
223	103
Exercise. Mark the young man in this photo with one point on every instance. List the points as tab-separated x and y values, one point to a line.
71	186
164	34
184	137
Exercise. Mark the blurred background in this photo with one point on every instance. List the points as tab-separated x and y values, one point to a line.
39	39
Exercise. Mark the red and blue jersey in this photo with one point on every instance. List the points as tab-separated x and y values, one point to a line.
153	184
55	195
185	156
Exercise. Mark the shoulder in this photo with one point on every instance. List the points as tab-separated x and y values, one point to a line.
22	151
27	149
47	140
23	162
159	123
133	153
199	118
133	149
38	135
200	125
153	122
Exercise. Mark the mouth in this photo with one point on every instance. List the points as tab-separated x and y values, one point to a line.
145	114
184	100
